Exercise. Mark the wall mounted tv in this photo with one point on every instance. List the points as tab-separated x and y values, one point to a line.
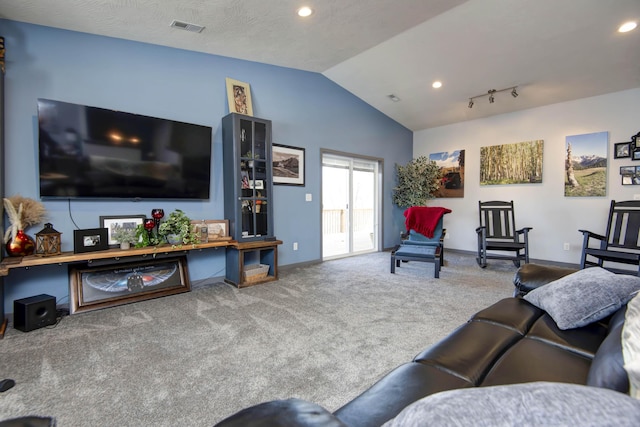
95	153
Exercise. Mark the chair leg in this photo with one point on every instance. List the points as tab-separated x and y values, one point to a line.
393	263
436	268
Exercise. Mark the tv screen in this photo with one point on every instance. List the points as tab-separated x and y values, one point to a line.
89	152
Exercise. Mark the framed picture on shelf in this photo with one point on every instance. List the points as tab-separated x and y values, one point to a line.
111	285
288	165
627	179
218	228
90	240
239	97
257	184
622	150
112	223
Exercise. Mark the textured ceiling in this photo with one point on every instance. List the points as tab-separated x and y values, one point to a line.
554	50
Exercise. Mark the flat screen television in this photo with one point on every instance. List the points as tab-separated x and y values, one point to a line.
96	153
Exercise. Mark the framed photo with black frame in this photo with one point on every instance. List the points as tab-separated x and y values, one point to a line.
92	288
288	165
112	223
90	240
627	170
622	150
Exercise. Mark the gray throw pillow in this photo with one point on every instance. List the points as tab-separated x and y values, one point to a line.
528	404
585	296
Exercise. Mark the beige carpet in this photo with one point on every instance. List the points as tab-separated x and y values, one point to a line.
323	333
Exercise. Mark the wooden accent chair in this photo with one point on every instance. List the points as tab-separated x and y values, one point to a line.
620	243
497	233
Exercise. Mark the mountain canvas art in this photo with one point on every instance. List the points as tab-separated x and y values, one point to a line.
586	165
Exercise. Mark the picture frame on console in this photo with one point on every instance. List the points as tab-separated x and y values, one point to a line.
288	165
218	229
90	240
111	285
113	222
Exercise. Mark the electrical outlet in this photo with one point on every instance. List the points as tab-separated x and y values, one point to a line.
566	246
636	197
447	236
295	246
308	197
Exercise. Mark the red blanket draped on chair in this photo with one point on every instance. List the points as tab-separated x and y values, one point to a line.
424	219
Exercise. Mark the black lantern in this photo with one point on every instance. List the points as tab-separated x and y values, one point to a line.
48	241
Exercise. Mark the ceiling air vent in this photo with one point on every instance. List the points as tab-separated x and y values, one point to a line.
186	26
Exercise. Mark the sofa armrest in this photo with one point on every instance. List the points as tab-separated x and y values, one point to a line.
29	421
283	413
532	276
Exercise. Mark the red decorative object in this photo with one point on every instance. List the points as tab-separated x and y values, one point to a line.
149	224
157	213
22	245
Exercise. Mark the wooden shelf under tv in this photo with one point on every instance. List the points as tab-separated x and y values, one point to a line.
110	254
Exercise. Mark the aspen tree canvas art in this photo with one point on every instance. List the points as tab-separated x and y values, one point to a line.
519	163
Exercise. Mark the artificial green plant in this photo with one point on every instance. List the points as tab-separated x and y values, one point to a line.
417	182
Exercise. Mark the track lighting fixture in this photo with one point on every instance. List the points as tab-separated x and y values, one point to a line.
491	92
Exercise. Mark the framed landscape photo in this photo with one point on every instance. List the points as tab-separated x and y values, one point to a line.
622	150
111	285
90	240
239	97
113	223
627	170
288	165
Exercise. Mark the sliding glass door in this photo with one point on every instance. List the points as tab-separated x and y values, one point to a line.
350	205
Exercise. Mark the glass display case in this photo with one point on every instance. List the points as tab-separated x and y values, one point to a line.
248	180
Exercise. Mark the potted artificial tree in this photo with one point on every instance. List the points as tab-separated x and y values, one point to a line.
125	236
417	182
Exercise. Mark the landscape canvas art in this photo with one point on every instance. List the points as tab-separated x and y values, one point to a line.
586	165
451	164
519	163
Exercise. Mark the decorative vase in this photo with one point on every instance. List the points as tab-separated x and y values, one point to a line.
125	245
174	239
22	245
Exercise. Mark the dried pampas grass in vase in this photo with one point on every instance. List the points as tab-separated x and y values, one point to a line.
23	213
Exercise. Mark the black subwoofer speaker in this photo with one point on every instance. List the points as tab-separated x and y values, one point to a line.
34	312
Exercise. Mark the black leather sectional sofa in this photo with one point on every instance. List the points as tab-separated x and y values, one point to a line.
510	342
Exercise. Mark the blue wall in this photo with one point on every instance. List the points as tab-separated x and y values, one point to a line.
307	110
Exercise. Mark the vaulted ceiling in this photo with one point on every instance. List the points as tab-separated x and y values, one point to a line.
552	50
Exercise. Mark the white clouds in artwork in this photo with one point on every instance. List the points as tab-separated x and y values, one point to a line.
445	159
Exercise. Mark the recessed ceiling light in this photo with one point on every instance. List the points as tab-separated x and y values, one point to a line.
393	98
627	26
437	84
305	11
